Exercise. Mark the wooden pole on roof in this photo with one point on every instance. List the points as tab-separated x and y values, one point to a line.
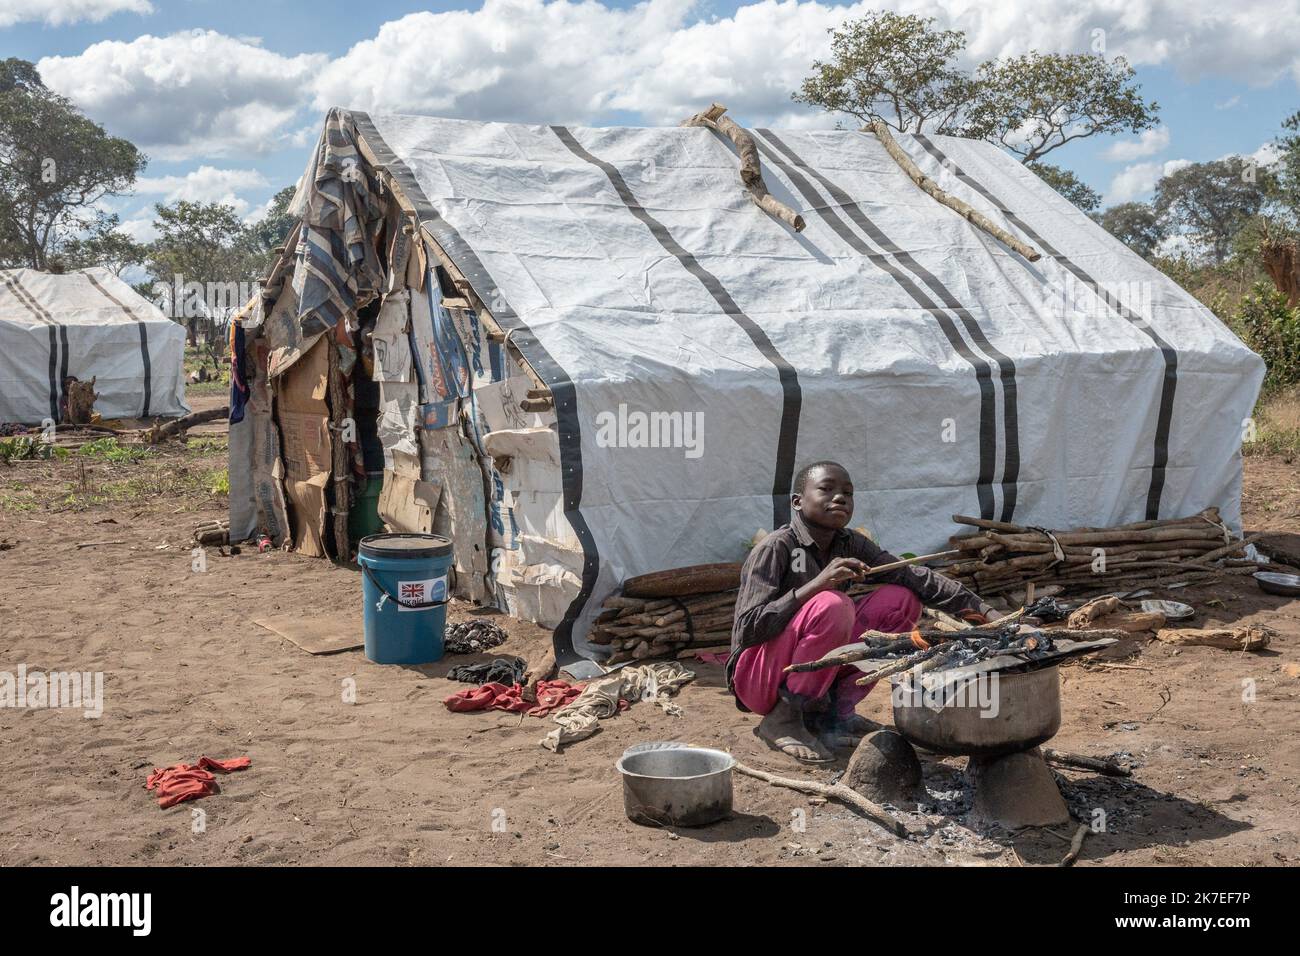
751	173
929	186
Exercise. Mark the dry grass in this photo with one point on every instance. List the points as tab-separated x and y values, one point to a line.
1277	427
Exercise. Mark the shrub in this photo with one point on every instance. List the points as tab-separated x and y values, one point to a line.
1273	330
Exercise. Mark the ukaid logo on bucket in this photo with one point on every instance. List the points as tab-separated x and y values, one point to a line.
427	591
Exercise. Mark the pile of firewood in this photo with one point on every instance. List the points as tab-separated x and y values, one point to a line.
676	613
639	628
1001	557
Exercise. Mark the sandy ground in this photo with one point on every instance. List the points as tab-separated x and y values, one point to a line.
394	778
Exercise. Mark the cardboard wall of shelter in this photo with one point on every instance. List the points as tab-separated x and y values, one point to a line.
458	278
432	481
537	571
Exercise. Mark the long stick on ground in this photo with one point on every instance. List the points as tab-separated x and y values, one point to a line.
835	791
1075	846
1096	764
159	432
964	210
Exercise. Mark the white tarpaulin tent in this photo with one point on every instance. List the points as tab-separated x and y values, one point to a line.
698	351
87	324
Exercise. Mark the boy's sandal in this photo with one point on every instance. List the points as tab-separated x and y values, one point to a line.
791	745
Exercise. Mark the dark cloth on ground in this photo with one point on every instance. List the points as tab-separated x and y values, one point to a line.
473	636
502	670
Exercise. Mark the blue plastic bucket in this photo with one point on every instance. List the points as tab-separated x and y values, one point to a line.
404	583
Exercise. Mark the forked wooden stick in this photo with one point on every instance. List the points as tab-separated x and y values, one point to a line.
835	791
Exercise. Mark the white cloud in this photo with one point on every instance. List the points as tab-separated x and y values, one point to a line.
58	13
1232	102
206	184
1242	40
1140	179
203	94
562	61
190	94
140	227
1149	143
1266	155
526	60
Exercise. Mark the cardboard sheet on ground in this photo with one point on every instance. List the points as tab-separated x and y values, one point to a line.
323	634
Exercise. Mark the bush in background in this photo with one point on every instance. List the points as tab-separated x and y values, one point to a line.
1270	328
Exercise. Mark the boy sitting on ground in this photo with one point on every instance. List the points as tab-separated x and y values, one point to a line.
792	608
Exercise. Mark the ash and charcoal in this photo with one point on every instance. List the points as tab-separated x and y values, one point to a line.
473	637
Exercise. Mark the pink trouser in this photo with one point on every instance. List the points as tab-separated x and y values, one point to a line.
829	620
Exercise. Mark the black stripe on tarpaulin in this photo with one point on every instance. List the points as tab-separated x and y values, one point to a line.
144	343
1006	367
63	363
981	366
791	394
1169	384
561	385
34	307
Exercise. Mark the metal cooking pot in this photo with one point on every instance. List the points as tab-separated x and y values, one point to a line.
951	714
675	784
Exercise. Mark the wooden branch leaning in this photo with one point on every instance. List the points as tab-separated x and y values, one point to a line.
836	791
751	173
928	185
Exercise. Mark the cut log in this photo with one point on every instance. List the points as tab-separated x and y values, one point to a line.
1106	767
176	426
751	172
1251	637
677	582
931	188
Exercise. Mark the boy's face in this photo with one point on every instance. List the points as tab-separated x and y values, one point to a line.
826	499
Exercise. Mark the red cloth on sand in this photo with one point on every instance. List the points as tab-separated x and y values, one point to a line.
551	695
182	782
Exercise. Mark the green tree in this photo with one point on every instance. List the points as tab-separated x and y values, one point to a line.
1136	225
272	230
904	72
55	165
202	262
1286	179
1038	102
1068	185
104	245
1212	202
897	69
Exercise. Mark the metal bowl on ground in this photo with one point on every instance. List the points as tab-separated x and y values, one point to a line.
675	784
960	713
1275	582
1172	610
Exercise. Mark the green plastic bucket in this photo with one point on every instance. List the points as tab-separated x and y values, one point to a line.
363	516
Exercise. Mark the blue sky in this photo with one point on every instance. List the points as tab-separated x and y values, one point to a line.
225	95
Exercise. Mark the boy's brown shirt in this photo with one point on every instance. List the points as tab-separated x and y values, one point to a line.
766	601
